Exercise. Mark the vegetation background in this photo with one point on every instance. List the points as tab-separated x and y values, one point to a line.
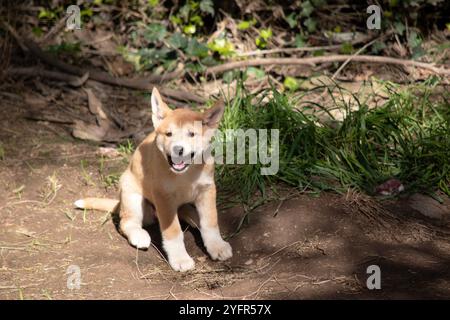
364	120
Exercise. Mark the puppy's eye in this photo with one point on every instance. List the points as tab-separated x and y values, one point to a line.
168	134
191	134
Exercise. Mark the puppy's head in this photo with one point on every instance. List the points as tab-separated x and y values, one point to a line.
182	135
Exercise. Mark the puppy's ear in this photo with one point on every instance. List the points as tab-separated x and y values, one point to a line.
213	115
160	110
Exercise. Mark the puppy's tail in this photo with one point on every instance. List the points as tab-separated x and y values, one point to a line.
102	204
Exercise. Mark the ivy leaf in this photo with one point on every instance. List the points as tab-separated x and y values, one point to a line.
196	49
299	41
155	32
184	11
207	6
310	24
256	72
178	41
195	67
319	3
399	27
291	20
378	46
228	76
307	9
209	61
414	40
175	20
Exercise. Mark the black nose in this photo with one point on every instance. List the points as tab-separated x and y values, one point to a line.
178	150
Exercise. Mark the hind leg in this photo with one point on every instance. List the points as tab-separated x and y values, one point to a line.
132	214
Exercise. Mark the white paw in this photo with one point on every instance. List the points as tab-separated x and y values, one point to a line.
139	238
182	264
219	249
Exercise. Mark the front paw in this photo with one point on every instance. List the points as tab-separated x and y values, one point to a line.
219	249
182	264
140	239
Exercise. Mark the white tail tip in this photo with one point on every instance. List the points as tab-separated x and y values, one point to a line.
79	204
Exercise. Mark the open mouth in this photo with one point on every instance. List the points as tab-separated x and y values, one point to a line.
179	164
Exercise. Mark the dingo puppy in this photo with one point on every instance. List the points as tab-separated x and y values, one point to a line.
162	170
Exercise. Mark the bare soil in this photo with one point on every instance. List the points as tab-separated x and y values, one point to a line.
307	247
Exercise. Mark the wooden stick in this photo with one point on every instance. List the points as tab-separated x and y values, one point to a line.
101	76
325	59
53	75
293	50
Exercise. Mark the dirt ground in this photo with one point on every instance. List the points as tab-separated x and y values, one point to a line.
307	247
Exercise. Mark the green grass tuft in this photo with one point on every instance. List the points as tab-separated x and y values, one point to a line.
408	138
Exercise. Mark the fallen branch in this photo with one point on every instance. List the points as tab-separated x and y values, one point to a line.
53	75
101	76
312	61
300	49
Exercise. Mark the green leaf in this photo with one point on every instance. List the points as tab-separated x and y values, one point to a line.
46	14
291	83
175	20
65	47
307	9
310	24
265	33
155	32
414	40
228	76
299	41
244	25
195	67
207	6
318	53
222	46
393	3
196	20
346	48
37	31
184	11
378	46
196	49
319	3
150	56
256	72
448	26
260	42
131	57
189	29
178	41
291	19
153	3
86	12
399	27
209	61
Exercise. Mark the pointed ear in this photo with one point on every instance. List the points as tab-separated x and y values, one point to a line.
213	115
159	108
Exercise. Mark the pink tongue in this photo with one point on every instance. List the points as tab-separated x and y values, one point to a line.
179	165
